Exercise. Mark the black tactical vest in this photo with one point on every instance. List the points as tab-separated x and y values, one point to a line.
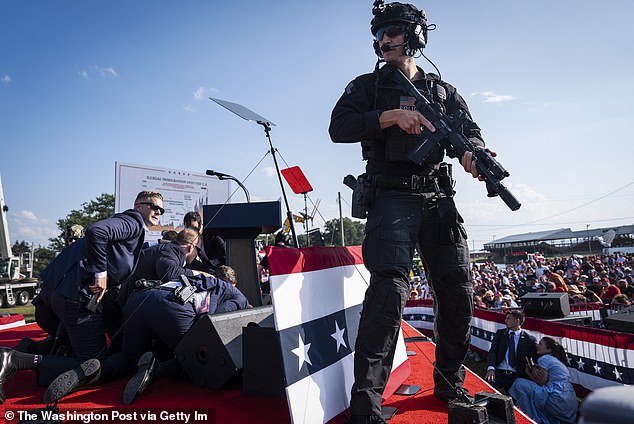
395	144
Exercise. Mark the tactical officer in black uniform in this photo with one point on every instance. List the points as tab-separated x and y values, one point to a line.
408	206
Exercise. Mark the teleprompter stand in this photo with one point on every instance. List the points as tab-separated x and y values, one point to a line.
249	115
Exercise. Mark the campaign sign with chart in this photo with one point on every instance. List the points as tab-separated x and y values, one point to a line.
182	191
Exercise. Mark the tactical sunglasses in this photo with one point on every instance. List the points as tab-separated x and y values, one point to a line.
154	207
391	31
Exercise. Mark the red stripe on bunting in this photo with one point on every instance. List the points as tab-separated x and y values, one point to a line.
284	261
612	339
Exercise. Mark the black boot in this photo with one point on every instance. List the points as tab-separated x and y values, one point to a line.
70	381
144	377
7	370
12	361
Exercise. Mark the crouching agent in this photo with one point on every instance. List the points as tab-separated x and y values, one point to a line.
156	316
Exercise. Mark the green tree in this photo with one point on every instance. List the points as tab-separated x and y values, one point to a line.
95	210
352	230
20	247
42	257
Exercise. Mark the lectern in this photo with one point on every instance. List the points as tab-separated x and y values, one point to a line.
239	224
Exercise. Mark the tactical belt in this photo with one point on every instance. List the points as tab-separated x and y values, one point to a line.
147	284
178	292
415	183
140	285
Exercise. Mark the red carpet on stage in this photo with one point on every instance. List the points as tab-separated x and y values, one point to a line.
228	405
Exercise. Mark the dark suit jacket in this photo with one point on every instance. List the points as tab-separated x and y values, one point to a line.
526	347
224	297
113	245
215	249
64	270
163	261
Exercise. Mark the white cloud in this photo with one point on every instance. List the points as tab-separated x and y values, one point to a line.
202	93
492	97
28	215
199	94
189	108
6	79
108	72
268	171
98	71
27	226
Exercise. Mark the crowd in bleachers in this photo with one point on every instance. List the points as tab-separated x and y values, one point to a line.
595	279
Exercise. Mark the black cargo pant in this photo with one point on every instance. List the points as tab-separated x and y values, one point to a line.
397	223
154	321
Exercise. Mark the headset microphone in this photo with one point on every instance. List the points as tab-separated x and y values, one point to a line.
388	47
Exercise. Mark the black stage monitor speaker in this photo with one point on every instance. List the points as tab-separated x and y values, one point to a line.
621	321
546	305
581	320
211	351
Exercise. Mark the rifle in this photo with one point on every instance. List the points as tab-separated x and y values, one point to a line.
448	128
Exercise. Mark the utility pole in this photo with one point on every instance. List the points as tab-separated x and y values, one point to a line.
343	240
588	236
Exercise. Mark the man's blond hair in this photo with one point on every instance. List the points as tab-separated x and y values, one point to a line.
186	237
146	196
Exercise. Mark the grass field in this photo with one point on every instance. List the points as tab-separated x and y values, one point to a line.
27	310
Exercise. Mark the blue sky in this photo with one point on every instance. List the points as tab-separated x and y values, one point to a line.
86	83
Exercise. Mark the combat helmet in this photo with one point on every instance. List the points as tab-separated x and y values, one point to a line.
413	20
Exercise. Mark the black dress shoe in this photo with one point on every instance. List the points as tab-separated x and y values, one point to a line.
458	394
140	381
88	372
7	370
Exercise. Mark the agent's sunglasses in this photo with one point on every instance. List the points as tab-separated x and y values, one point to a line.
391	31
154	207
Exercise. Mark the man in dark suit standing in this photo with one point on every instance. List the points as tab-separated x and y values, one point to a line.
510	348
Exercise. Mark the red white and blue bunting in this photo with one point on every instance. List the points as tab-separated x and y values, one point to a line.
597	357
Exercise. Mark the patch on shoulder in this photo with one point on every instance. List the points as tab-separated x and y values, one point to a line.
350	88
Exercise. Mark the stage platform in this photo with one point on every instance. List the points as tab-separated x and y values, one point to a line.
192	405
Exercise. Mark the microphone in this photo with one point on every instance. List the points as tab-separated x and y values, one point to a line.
388	47
222	176
216	174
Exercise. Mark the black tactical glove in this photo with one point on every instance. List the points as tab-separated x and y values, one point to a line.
451	228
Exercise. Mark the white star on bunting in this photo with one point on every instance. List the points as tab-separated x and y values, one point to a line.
338	336
302	352
617	374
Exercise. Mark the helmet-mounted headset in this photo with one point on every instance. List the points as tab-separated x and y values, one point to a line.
413	23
